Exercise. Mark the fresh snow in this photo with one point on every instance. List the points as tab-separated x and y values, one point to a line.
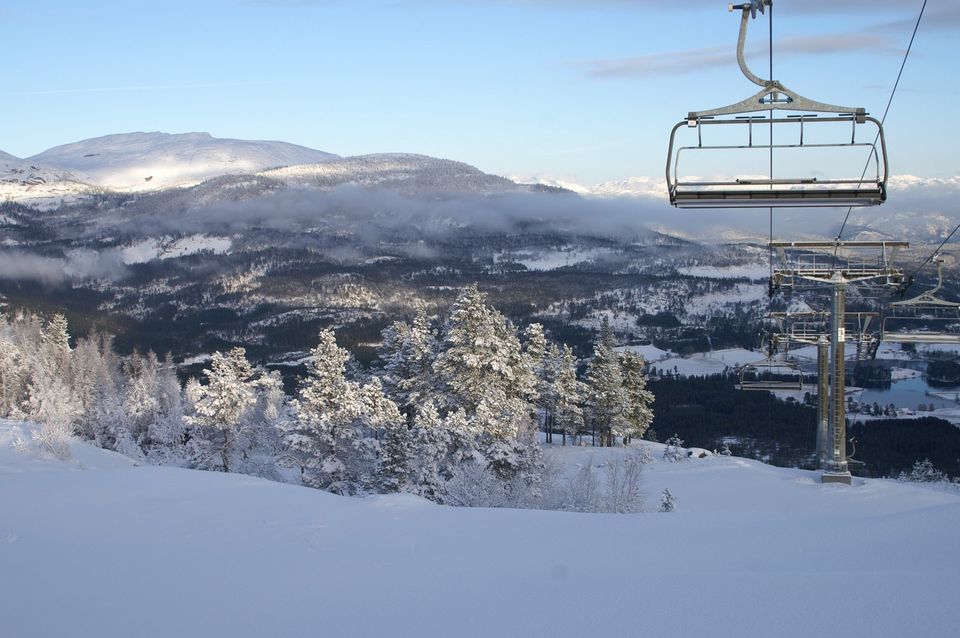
745	271
98	547
708	363
649	352
169	248
552	259
150	161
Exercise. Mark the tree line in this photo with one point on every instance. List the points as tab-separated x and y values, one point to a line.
457	400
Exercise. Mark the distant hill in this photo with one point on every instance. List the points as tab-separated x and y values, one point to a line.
150	161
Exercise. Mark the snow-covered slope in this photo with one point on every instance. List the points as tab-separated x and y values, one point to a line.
148	161
41	187
751	551
405	172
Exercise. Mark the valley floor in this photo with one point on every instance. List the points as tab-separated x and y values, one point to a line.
97	546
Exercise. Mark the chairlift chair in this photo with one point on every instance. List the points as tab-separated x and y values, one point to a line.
925	318
747	191
778	371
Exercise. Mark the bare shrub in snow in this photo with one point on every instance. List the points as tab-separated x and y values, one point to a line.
623	478
674	453
644	455
668	502
613	487
924	472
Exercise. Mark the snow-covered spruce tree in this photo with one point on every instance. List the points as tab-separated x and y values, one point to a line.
562	395
482	370
95	369
141	401
638	414
50	399
219	409
12	372
668	502
673	452
535	349
606	397
432	440
259	441
397	455
166	432
378	415
408	352
323	436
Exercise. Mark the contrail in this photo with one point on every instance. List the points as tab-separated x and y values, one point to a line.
123	89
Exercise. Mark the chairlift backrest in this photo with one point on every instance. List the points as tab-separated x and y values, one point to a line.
750	191
925	318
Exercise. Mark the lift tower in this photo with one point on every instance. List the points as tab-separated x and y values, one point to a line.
837	265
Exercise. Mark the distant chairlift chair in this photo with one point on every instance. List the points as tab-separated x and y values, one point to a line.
923	319
753	192
777	372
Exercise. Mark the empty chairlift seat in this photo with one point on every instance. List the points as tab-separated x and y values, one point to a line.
828	155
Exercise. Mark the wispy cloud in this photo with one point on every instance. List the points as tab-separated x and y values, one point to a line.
135	89
690	60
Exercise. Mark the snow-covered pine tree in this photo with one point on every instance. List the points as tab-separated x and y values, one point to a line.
322	436
606	398
673	452
219	409
408	352
668	502
638	414
483	370
259	438
397	455
431	443
535	349
142	402
12	373
563	393
167	431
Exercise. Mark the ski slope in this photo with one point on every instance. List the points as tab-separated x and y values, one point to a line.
99	547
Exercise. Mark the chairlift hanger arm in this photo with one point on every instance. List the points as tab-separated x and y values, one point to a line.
773	95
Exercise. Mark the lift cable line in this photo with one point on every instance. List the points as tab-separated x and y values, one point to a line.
887	109
787	111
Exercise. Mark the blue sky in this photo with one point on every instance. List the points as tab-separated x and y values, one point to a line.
578	90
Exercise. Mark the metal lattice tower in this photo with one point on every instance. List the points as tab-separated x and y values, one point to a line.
837	265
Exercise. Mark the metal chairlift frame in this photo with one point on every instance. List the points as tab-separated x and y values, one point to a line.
777	360
789	192
919	309
807	327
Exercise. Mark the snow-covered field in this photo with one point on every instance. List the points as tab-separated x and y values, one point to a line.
747	271
99	547
707	363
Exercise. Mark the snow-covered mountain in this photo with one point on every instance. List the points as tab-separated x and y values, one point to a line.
41	187
404	172
151	161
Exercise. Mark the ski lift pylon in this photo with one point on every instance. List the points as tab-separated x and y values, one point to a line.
747	191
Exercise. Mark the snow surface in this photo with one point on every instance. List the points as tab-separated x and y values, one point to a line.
552	259
745	271
707	363
752	550
149	161
650	352
169	248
